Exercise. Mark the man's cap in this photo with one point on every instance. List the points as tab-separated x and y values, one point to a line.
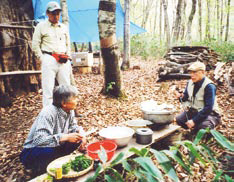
52	6
197	66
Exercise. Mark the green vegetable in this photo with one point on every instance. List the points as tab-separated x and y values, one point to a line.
52	170
80	163
66	168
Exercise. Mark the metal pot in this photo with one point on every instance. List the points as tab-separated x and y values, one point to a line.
159	114
144	136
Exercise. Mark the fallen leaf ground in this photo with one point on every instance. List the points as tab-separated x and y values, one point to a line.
95	109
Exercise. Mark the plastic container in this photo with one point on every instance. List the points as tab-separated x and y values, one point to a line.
94	148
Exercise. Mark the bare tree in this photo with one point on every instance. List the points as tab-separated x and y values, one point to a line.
146	10
190	20
109	48
227	24
126	58
176	29
155	17
208	20
217	21
200	19
160	21
65	17
166	24
221	21
183	23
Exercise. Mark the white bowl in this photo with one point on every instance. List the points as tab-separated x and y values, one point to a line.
121	135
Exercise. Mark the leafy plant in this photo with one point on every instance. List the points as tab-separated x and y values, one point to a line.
110	86
143	169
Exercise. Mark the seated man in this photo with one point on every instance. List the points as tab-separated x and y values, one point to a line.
54	133
200	99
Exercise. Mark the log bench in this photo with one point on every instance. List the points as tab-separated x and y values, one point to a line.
157	135
25	72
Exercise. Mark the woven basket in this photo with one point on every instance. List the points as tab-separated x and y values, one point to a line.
71	173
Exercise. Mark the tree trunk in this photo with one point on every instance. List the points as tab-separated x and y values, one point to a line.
166	24
155	18
146	10
208	20
221	21
16	53
109	48
183	25
160	22
65	17
217	21
177	21
190	20
227	24
200	19
126	58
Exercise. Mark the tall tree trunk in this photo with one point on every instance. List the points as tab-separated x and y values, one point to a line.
177	21
160	21
65	17
217	21
221	21
182	34
155	18
190	20
227	24
126	58
146	10
208	20
166	24
109	48
200	19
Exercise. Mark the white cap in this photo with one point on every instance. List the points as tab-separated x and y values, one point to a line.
52	6
197	66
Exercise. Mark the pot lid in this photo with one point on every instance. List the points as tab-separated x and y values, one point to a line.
144	131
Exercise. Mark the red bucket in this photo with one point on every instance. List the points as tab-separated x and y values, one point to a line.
94	148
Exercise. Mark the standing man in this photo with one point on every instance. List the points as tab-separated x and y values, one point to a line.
200	99
51	44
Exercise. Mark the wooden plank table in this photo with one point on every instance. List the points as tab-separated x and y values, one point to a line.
157	135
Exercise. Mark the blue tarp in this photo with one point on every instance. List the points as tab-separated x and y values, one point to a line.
83	16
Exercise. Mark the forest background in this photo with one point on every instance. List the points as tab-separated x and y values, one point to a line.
182	22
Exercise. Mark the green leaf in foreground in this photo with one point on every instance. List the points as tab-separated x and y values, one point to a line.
166	164
147	164
176	155
117	159
199	136
93	178
222	140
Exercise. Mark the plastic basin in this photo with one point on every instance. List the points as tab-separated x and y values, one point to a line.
95	147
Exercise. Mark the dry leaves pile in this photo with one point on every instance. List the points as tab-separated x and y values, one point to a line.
96	110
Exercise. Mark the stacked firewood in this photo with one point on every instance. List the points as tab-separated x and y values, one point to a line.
178	59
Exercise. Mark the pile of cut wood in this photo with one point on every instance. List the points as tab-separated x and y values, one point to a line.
178	59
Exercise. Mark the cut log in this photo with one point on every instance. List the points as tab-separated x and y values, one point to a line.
173	76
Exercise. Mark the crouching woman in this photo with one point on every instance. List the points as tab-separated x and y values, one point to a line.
54	133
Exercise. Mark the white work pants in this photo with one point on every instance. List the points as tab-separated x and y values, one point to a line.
52	70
